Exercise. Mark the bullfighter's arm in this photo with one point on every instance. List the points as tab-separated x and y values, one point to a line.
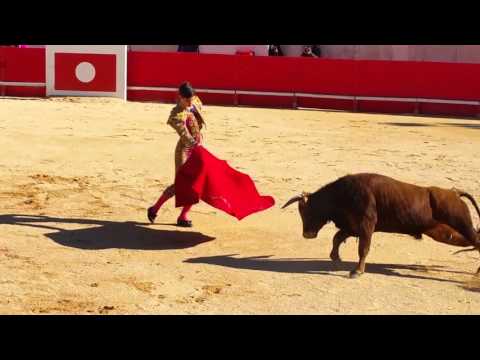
177	121
197	110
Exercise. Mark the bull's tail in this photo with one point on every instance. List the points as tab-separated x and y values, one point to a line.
465	250
469	197
475	205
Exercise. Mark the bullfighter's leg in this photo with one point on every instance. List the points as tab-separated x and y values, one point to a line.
338	239
447	235
182	153
167	194
363	249
183	220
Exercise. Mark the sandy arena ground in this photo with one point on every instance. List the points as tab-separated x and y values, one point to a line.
76	176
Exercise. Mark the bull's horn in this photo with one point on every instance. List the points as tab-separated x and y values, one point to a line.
292	200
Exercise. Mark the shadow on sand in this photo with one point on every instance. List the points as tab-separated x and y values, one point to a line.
103	234
108	234
323	267
411	124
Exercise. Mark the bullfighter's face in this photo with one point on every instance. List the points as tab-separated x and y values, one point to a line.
185	102
311	225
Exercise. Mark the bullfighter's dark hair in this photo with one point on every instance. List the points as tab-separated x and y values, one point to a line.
186	90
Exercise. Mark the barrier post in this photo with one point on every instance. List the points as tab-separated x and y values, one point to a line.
355	104
295	101
235	98
416	111
3	66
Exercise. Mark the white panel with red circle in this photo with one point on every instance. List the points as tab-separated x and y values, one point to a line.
87	70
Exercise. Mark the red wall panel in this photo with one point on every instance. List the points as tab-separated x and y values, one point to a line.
171	69
387	78
265	73
22	65
22	91
217	99
319	103
449	109
386	107
151	95
323	76
448	81
266	100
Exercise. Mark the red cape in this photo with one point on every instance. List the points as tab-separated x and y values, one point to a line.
205	177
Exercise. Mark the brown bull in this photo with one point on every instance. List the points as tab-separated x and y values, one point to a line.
362	204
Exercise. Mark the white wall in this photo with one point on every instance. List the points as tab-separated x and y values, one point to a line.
292	50
444	53
338	51
469	53
161	48
260	50
400	52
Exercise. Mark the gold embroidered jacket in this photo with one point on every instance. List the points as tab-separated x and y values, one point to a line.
189	135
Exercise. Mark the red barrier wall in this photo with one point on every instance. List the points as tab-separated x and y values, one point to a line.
262	74
22	65
324	76
398	79
170	69
449	81
288	76
387	78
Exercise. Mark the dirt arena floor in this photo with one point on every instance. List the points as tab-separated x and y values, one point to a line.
76	176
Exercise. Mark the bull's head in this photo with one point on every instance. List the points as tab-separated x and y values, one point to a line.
312	222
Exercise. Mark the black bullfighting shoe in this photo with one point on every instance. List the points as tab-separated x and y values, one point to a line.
151	214
184	223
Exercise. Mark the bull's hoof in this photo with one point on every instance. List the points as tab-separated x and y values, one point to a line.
478	272
335	258
355	274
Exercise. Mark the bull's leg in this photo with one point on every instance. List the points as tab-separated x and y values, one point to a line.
363	249
447	235
338	239
478	239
